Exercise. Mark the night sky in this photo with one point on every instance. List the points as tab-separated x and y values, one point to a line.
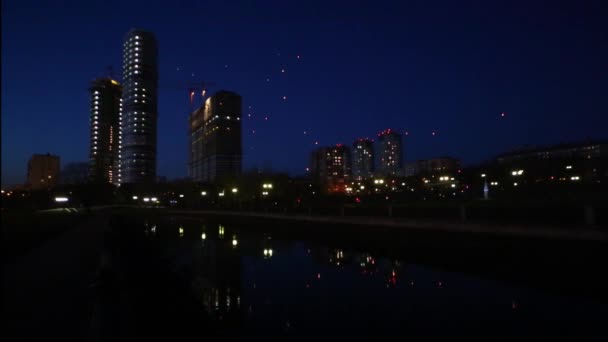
450	67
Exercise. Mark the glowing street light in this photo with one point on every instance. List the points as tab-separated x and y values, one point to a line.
61	199
235	190
204	193
135	197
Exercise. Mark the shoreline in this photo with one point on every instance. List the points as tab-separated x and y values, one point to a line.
494	229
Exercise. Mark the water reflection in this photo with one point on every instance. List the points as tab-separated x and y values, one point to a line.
252	282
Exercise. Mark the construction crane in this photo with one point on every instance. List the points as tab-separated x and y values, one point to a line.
191	88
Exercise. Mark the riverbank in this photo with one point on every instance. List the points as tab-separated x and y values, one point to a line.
494	229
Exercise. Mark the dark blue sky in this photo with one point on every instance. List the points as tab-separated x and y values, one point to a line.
445	66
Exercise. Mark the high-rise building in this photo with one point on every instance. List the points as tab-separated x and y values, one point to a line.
331	167
388	153
215	138
363	158
105	130
138	121
42	171
197	128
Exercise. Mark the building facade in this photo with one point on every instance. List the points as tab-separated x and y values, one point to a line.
580	150
42	171
331	167
436	165
363	159
216	149
195	169
105	96
138	120
389	153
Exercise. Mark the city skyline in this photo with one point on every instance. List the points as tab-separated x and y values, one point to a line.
448	95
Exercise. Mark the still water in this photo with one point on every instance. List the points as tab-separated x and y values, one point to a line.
253	285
